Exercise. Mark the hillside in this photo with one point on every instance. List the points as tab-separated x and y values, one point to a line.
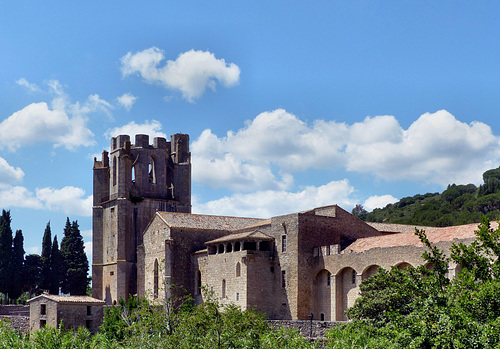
458	204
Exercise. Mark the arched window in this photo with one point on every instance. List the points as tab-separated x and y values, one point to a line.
133	174
238	269
223	288
151	170
155	279
353	277
198	282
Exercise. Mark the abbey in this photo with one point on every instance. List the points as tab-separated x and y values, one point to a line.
146	241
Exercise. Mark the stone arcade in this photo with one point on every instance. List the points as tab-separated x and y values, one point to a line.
145	241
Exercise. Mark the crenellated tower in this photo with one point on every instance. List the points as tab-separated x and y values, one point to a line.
131	183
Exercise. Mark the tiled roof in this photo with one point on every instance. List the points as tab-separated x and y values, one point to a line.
68	299
410	239
396	228
253	236
205	222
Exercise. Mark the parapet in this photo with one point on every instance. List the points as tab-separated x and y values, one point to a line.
141	141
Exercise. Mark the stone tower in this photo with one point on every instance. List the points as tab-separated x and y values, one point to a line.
131	183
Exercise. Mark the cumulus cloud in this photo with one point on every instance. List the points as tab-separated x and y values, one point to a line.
191	73
132	128
265	153
378	201
126	100
9	174
70	200
88	251
61	122
270	203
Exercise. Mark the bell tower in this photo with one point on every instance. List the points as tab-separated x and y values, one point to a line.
131	183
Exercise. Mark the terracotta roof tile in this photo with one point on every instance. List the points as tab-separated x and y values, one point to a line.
253	235
68	299
206	222
410	239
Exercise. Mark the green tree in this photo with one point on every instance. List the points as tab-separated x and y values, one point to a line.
6	271
56	267
32	274
76	266
17	265
46	250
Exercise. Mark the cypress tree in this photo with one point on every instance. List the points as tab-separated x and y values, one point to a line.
33	274
46	250
17	265
75	279
55	267
5	252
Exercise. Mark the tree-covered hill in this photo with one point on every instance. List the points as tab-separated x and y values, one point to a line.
458	204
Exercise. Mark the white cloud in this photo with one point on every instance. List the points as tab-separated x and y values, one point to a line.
33	250
86	233
30	86
378	201
265	153
270	203
126	100
191	73
132	128
62	123
9	174
70	200
88	251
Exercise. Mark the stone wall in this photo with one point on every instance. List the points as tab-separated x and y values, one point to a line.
319	328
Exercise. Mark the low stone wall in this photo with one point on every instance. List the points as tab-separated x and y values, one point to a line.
319	328
21	323
15	310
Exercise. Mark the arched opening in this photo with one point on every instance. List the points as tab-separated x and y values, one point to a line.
133	174
429	266
370	271
237	246
221	248
155	280
322	291
151	171
229	247
346	292
322	317
403	265
198	282
238	269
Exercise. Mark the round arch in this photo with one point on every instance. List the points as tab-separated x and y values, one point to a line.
370	271
403	265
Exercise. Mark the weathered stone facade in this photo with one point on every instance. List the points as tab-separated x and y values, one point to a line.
131	183
289	266
70	311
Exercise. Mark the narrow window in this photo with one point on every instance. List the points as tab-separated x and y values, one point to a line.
353	277
155	279
43	309
89	310
114	170
238	269
43	323
322	317
198	286
283	278
152	172
329	279
224	288
133	174
283	243
237	296
88	323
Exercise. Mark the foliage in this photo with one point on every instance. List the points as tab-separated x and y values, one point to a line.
56	267
76	266
17	265
421	308
458	204
46	250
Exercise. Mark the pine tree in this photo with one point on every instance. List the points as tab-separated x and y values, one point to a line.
46	250
17	265
5	252
55	267
75	279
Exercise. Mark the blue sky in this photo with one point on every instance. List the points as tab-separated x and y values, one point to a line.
289	105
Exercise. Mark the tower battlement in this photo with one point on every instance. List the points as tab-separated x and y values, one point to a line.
131	183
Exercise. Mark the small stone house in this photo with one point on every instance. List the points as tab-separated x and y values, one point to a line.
72	311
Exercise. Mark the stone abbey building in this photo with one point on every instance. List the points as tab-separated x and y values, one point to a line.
146	241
